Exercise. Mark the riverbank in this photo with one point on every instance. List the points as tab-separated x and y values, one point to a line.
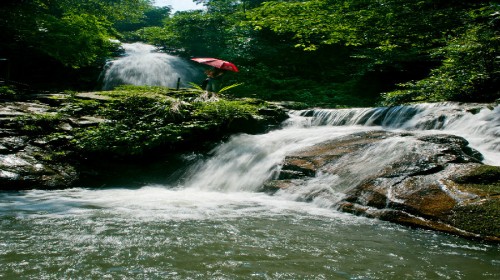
57	140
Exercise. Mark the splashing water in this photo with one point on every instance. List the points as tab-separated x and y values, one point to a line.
143	65
247	161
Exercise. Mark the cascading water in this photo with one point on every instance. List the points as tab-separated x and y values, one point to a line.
143	65
247	161
212	223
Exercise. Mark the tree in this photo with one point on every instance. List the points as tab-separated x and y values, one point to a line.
153	17
395	37
470	69
190	33
76	33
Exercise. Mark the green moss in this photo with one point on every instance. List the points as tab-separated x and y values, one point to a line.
152	91
141	119
120	139
485	179
80	107
39	123
481	218
7	92
227	110
483	215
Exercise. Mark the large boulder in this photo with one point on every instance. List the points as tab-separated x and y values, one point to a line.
434	181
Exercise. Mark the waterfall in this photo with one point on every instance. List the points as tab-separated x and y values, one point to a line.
245	162
143	65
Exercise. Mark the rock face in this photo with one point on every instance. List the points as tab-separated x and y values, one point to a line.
27	158
27	168
434	181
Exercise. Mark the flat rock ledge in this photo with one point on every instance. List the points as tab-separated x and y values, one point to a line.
433	182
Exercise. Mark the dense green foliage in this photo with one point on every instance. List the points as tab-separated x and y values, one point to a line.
76	33
470	69
321	52
61	41
345	53
141	119
153	16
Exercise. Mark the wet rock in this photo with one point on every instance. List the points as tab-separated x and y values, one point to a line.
86	121
12	144
305	163
27	157
28	169
433	181
266	118
93	96
457	146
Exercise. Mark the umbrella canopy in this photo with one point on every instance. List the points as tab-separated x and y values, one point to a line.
217	63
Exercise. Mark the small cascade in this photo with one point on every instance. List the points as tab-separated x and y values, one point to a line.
411	117
245	162
143	65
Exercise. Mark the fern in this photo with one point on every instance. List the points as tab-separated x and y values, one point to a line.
229	87
195	86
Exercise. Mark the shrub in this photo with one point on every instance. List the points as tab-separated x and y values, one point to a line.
7	92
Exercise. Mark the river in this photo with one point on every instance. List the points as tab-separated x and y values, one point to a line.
211	223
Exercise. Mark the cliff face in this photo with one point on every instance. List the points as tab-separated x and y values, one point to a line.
434	181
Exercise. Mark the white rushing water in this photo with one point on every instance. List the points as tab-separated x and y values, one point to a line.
142	64
212	224
246	161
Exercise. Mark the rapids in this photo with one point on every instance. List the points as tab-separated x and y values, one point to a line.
211	223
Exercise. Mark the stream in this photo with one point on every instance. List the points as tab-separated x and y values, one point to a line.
211	222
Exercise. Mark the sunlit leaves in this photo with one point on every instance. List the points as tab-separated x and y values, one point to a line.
310	23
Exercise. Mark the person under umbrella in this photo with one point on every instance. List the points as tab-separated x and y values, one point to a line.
209	84
219	68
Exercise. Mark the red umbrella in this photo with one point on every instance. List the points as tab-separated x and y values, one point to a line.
217	63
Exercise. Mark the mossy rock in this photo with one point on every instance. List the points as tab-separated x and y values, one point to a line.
482	215
481	218
485	178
